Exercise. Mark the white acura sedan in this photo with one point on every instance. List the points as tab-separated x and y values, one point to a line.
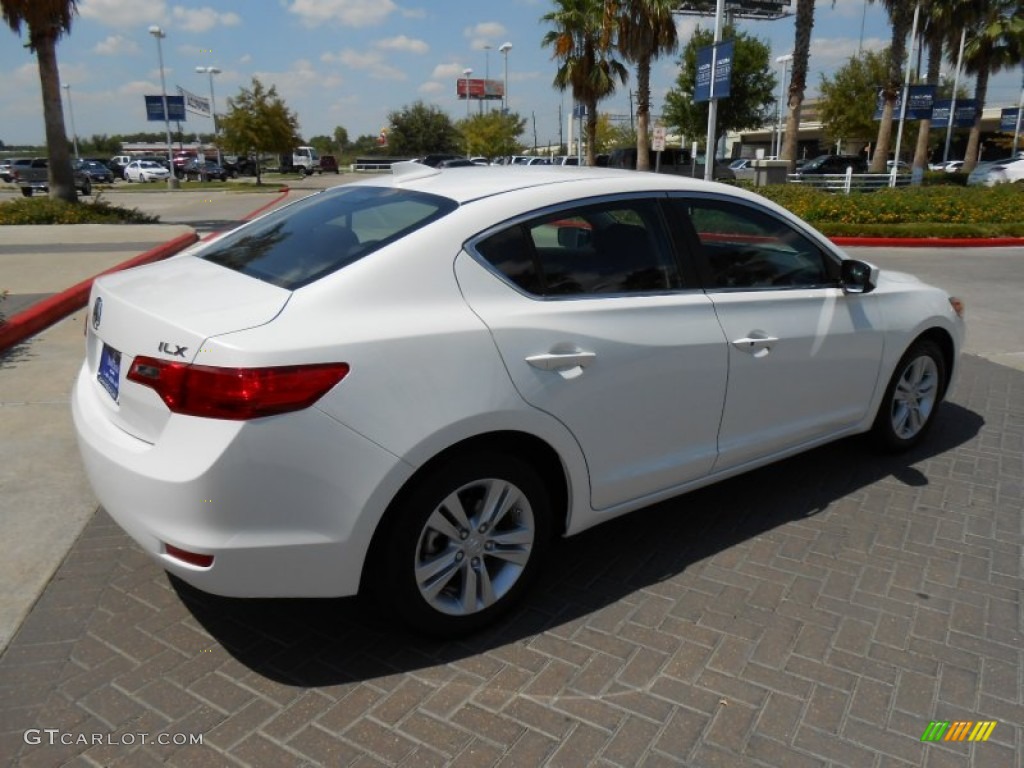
145	170
407	386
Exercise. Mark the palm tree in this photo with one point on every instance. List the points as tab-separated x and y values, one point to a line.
46	21
901	13
582	44
645	30
935	15
995	39
798	80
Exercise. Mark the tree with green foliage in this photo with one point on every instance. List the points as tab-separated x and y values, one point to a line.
798	79
340	138
258	121
645	29
367	144
422	129
582	44
847	105
750	91
492	134
46	21
323	144
995	41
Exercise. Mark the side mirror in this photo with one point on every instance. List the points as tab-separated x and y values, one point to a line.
858	276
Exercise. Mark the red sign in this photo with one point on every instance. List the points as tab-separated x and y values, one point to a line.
489	90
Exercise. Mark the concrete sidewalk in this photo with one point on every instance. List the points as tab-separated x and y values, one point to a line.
44	497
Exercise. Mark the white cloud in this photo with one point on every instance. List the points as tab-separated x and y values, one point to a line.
116	45
414	13
124	13
245	58
444	71
485	29
202	19
300	80
403	43
431	87
370	61
350	13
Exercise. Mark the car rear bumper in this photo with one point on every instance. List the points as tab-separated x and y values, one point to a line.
285	504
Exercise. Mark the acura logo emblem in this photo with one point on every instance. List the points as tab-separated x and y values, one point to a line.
97	313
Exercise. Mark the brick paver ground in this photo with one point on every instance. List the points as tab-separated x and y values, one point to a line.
819	612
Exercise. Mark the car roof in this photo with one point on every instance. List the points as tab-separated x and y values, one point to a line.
466	184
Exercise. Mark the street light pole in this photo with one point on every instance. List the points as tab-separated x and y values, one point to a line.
784	61
465	74
159	34
74	133
505	48
487	77
1016	129
211	71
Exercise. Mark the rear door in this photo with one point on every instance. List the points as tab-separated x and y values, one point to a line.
598	327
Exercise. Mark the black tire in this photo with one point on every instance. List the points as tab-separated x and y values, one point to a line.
87	188
911	399
427	548
26	191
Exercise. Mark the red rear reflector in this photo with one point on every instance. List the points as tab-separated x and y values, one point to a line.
236	393
192	558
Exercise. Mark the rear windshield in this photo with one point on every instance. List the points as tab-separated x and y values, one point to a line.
303	242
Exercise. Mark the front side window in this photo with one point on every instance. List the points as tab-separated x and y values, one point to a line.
743	247
617	247
300	244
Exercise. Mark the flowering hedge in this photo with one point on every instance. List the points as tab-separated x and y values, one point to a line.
939	211
48	211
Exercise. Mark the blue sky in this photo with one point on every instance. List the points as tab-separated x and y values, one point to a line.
350	62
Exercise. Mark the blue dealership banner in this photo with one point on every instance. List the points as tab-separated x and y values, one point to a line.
722	75
1008	119
965	109
175	108
920	102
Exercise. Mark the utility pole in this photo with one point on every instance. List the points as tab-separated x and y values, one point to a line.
534	116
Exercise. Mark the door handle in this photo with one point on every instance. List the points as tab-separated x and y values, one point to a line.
758	346
561	361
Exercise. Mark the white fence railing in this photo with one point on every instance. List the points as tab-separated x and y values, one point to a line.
850	181
370	167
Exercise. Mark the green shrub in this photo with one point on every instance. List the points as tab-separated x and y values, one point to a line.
43	210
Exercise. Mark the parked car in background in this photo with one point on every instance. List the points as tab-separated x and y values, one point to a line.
118	163
5	170
436	159
456	162
674	160
203	170
145	170
409	385
96	170
16	164
329	164
832	164
35	177
995	172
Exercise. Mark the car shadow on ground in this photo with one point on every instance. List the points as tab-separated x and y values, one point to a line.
319	642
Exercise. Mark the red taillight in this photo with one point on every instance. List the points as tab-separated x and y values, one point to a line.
236	393
192	558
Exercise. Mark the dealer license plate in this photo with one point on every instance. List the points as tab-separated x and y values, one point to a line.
109	374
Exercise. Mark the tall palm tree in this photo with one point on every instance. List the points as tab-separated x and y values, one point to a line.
935	20
901	14
798	80
583	46
645	30
995	39
46	21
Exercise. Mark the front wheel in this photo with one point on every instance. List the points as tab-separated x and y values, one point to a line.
914	392
87	189
464	544
26	191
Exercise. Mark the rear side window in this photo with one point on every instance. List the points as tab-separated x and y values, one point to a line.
619	247
323	233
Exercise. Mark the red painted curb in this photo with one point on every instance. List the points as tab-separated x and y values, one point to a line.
53	308
929	242
284	193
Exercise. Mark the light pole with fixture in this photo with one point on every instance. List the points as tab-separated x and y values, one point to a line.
71	111
211	71
159	34
465	74
487	77
504	49
784	61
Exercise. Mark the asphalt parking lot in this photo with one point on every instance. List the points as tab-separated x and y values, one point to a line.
823	611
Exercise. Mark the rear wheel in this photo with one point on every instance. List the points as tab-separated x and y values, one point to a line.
87	188
26	191
914	393
465	543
